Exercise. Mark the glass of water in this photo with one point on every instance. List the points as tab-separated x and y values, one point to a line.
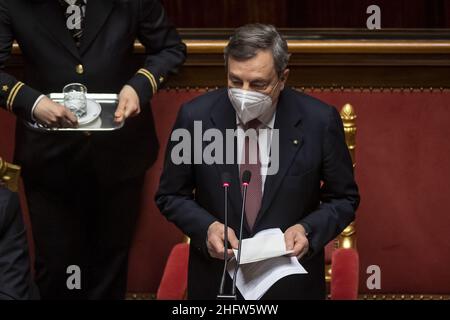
75	99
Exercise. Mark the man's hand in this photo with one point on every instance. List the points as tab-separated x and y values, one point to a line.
216	238
129	105
54	115
295	238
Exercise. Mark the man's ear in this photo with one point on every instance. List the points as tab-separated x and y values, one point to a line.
284	78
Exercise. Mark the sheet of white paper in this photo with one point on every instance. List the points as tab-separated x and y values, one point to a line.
264	245
254	279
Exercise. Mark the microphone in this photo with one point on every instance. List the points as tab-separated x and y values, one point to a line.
246	177
226	184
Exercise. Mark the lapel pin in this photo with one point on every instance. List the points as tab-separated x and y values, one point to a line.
296	142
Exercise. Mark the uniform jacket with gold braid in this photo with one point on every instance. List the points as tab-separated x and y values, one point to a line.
104	62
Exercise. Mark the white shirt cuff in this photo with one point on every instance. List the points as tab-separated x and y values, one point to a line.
34	106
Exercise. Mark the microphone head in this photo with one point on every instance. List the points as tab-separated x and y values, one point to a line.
246	176
226	178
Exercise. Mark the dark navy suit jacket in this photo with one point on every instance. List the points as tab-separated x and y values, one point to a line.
312	149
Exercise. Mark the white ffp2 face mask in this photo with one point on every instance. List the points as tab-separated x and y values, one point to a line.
249	105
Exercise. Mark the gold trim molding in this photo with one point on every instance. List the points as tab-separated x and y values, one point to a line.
386	296
312	89
401	296
335	46
323	46
140	296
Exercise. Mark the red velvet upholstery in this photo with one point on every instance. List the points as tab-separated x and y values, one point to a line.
345	274
329	249
173	284
344	282
7	127
155	237
403	165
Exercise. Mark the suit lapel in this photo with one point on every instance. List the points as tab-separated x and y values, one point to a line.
56	25
288	119
223	117
97	11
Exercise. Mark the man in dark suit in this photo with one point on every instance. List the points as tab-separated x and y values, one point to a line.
311	148
84	189
15	275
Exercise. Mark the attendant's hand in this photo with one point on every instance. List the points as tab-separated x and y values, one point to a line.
215	240
295	238
129	105
54	115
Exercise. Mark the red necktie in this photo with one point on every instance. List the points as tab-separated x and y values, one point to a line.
254	191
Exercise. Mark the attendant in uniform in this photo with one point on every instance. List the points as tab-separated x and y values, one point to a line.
84	189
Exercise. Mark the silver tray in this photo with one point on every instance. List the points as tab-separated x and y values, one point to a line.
105	122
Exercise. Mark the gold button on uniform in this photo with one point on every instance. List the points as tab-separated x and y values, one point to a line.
79	69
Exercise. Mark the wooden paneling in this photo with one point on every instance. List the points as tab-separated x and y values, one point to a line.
334	63
384	60
225	13
307	13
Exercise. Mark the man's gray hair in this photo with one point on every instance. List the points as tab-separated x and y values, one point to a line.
251	38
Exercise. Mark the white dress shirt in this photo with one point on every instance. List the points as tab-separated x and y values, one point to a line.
264	140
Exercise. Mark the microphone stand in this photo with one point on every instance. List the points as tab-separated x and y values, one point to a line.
221	296
238	260
245	182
